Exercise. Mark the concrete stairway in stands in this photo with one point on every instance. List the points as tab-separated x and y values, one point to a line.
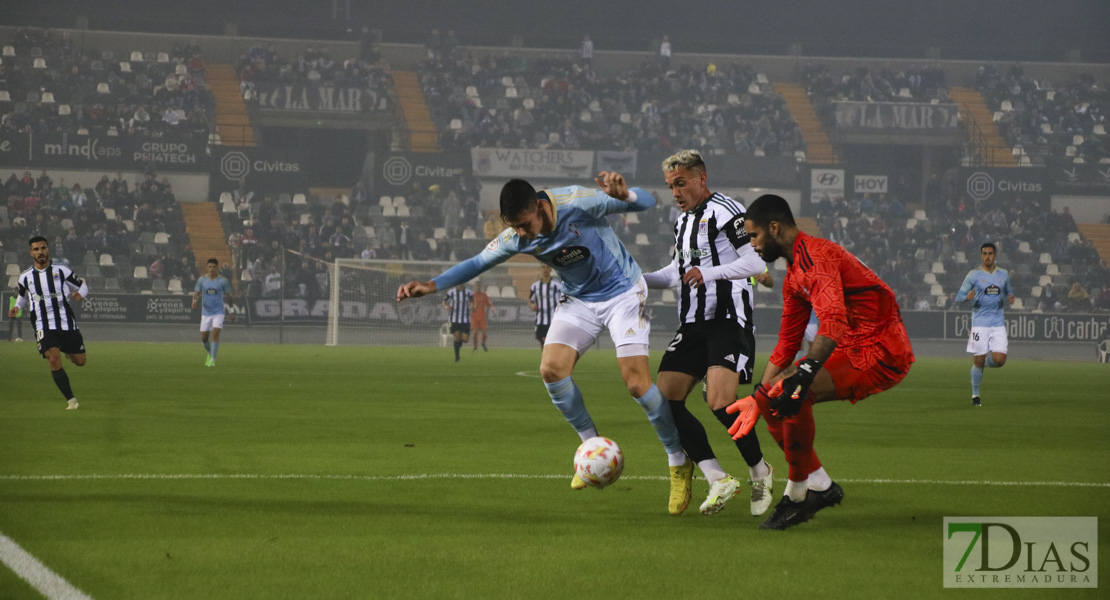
819	149
1099	234
422	135
233	124
206	233
999	153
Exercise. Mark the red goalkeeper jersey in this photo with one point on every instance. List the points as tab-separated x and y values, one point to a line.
855	308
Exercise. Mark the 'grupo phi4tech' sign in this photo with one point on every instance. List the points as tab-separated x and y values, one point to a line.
1021	552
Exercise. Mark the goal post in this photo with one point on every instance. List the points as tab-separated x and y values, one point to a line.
363	308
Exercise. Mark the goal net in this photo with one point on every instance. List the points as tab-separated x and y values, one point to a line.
364	310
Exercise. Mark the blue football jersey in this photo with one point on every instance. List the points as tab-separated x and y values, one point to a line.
992	295
212	292
582	248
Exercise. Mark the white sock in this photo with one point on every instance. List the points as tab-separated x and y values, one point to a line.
759	471
712	470
819	480
676	459
588	433
796	490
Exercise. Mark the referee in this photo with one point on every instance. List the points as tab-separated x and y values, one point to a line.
459	302
715	340
42	289
543	297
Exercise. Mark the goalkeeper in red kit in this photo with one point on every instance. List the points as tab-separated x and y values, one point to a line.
861	349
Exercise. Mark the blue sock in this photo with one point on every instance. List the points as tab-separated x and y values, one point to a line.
215	349
659	413
568	399
207	347
990	364
976	379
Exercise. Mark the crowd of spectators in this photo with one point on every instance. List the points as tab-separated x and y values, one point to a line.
889	84
316	67
561	103
49	83
428	222
86	223
1059	124
924	257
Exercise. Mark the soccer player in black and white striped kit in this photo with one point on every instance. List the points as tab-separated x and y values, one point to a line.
459	302
543	298
43	290
716	338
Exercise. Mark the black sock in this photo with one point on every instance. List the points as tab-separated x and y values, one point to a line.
62	381
457	346
690	432
748	445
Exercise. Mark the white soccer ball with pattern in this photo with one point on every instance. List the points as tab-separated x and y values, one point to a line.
599	461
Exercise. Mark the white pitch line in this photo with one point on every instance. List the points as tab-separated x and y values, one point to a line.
248	476
47	582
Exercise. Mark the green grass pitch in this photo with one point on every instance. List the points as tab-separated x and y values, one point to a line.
411	476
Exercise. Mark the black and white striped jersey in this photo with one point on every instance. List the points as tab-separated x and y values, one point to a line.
458	304
46	294
546	297
713	239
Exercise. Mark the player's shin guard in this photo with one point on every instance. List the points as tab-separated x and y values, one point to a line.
62	381
207	347
215	349
798	434
748	445
691	432
568	399
976	379
655	405
989	363
457	346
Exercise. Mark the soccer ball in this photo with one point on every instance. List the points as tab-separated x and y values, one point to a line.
599	461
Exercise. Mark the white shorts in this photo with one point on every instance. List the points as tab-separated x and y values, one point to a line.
577	323
987	339
811	332
210	322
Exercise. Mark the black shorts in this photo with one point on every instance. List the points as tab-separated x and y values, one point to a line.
541	332
460	328
698	346
69	342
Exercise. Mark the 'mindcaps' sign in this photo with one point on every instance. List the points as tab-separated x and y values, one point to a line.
102	151
540	164
272	96
896	116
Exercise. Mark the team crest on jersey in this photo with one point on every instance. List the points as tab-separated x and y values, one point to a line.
493	244
992	290
571	255
703	227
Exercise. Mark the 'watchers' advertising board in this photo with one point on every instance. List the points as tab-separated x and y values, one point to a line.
66	150
275	96
532	164
396	171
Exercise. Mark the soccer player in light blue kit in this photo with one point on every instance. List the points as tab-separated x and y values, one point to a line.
566	228
989	287
215	289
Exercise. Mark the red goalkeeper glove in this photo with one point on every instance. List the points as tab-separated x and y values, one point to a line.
748	417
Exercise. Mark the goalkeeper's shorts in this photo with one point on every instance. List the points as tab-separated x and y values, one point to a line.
859	372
